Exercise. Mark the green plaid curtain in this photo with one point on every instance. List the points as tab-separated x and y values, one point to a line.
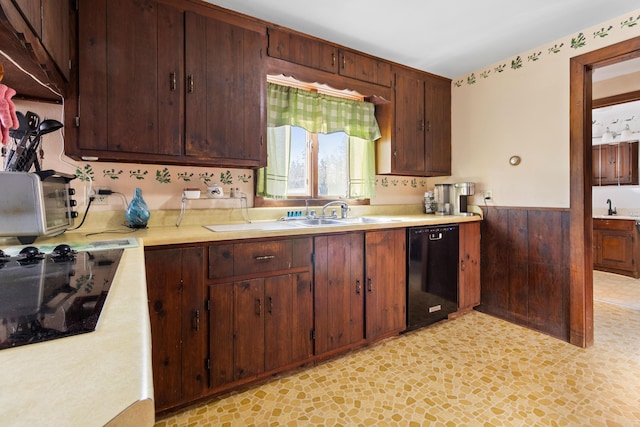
319	113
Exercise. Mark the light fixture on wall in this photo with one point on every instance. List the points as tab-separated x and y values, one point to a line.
608	136
626	134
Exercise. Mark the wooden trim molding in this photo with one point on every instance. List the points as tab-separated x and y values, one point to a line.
581	223
616	99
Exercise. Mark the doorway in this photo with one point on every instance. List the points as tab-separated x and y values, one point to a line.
581	254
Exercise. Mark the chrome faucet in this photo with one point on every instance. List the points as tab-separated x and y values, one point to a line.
611	211
344	208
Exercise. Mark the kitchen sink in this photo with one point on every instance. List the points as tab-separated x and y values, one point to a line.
369	220
318	222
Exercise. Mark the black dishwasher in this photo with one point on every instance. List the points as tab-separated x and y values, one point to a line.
432	274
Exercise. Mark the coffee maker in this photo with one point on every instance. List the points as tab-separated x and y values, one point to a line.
461	193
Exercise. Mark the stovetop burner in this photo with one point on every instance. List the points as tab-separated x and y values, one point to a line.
46	296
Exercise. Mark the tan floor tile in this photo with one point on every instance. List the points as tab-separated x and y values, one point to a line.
473	371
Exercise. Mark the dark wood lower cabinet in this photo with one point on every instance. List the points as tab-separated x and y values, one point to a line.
469	267
259	307
616	245
178	324
385	283
339	291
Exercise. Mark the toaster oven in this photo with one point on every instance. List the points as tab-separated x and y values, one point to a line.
35	204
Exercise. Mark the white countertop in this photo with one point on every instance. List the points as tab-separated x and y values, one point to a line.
89	379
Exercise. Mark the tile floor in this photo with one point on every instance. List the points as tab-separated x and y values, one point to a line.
473	371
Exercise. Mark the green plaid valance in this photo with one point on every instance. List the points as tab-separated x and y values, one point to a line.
319	113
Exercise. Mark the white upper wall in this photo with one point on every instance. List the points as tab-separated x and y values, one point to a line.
524	111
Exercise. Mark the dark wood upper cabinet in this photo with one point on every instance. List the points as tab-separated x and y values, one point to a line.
421	140
302	50
226	92
320	55
130	103
361	67
615	164
170	87
36	35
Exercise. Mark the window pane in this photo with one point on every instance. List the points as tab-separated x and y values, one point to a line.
298	182
333	164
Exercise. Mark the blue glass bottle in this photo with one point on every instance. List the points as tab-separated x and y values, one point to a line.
137	213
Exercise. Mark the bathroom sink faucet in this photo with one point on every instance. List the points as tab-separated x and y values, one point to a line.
344	208
611	211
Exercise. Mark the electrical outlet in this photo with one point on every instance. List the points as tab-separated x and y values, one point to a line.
101	199
487	195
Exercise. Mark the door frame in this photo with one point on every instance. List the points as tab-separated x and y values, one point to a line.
580	198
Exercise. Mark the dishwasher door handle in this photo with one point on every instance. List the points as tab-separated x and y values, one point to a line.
435	236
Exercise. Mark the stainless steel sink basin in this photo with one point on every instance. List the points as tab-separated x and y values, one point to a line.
321	222
369	220
317	222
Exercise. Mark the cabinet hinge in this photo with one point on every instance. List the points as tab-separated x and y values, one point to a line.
313	334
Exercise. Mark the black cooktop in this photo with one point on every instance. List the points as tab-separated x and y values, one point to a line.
54	295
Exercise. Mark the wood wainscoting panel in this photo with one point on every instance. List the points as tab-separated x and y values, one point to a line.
525	267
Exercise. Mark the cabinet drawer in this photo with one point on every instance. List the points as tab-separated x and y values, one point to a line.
248	258
614	224
263	256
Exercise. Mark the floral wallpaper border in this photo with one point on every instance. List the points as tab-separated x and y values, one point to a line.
577	42
164	176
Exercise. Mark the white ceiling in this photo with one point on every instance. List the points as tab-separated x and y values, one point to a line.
448	38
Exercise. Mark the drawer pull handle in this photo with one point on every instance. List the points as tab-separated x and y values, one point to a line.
258	307
263	257
173	81
369	284
358	287
270	305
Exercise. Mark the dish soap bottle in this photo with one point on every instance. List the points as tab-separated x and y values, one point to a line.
137	212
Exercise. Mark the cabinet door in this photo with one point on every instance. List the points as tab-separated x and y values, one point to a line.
339	292
302	50
408	156
627	173
595	165
55	32
226	92
288	319
129	79
364	68
385	282
249	308
32	11
221	334
438	127
616	249
176	304
469	274
609	164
